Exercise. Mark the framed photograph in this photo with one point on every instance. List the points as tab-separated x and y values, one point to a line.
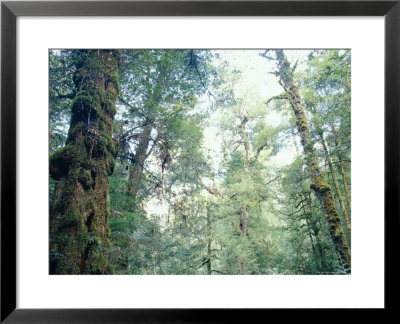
190	161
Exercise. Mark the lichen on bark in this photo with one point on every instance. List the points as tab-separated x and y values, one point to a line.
79	232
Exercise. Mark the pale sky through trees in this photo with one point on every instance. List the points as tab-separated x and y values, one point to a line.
200	161
256	79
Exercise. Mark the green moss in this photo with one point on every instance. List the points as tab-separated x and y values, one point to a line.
101	126
69	153
108	231
83	239
309	148
106	99
85	178
102	144
110	270
82	102
62	159
79	221
59	154
320	184
110	165
74	131
301	123
111	109
70	219
95	260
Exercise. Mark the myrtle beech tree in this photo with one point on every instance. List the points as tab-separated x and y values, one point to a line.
79	229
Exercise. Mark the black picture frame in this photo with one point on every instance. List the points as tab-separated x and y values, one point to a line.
10	10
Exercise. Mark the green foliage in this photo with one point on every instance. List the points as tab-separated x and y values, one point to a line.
195	211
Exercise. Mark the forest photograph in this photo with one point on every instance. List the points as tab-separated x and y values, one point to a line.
200	161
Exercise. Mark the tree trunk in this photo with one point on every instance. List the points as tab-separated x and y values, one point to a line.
244	232
79	231
315	229
319	184
136	172
341	168
246	144
154	97
316	258
336	184
209	242
243	220
243	208
324	265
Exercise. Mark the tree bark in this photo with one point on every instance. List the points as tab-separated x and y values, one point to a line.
316	258
136	172
79	231
336	184
246	144
243	220
154	97
341	168
319	184
209	242
243	207
315	232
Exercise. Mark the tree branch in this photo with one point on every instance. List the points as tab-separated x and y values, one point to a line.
212	190
278	97
255	157
64	96
276	178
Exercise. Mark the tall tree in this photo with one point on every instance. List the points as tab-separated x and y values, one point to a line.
341	166
79	231
327	94
319	184
196	187
335	182
160	90
248	140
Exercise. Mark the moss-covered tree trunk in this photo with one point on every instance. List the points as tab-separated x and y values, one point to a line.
79	231
319	183
336	184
